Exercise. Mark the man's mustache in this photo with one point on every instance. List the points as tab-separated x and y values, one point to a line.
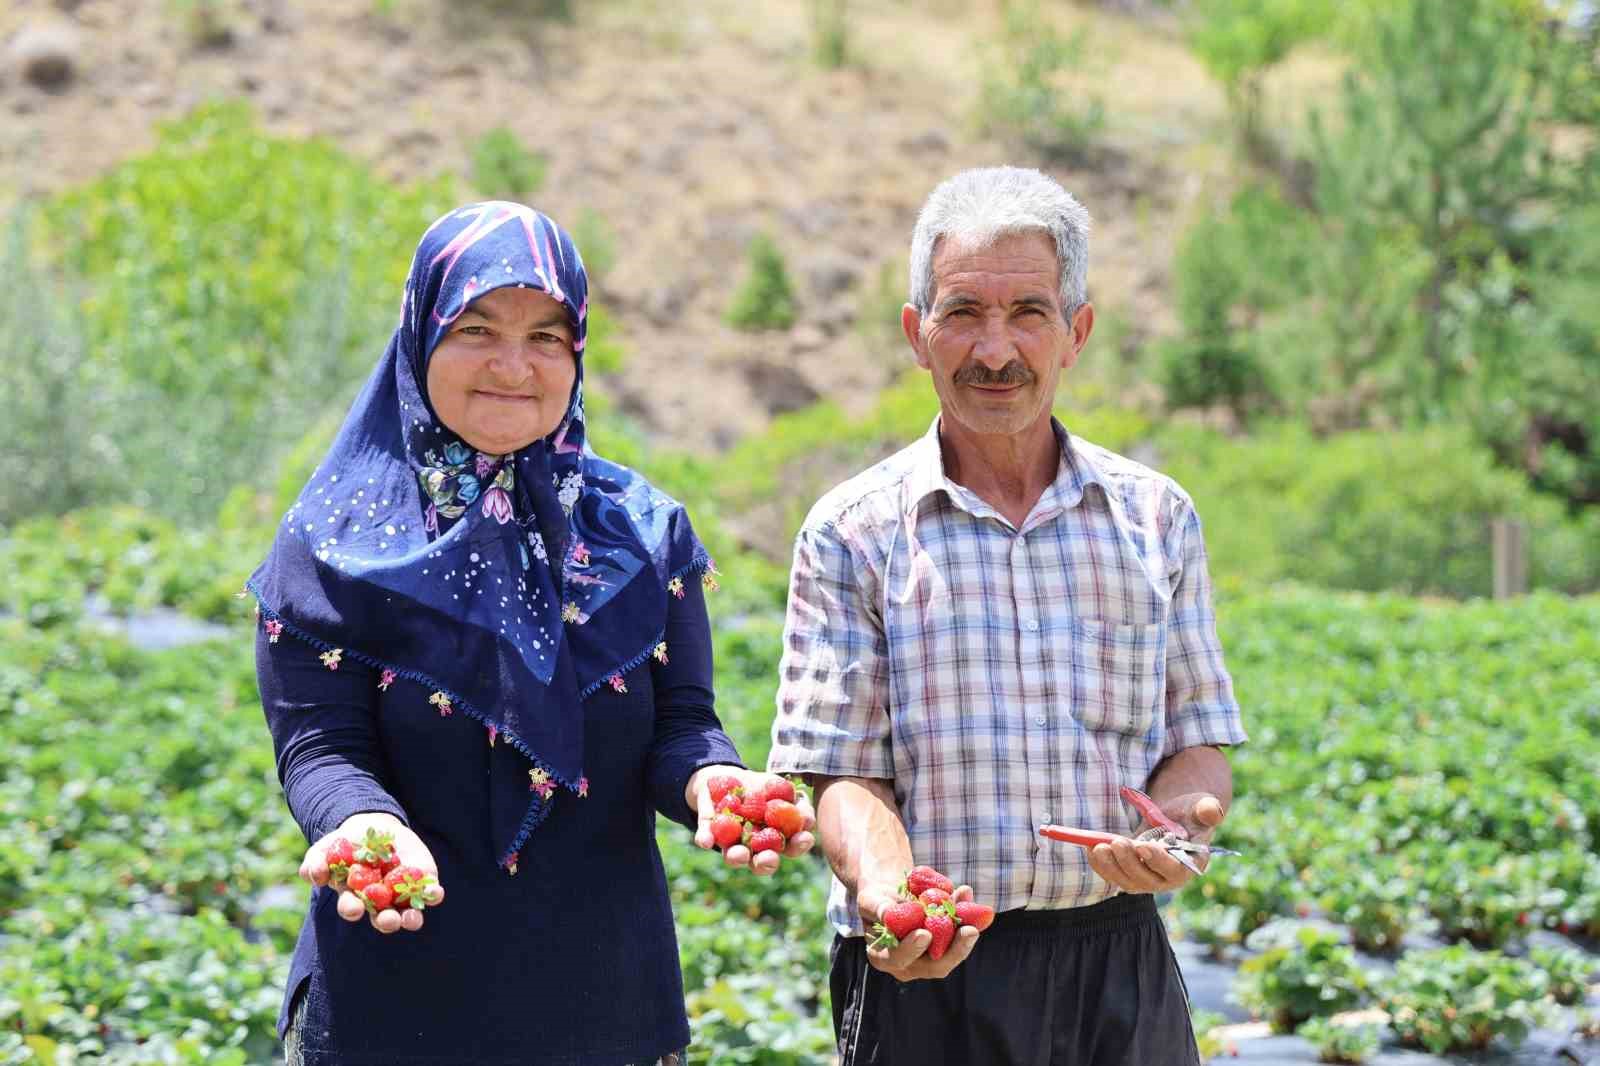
1013	373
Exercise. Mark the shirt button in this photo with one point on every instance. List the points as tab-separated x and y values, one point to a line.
1039	720
1031	625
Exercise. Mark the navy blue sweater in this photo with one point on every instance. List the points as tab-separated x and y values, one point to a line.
573	959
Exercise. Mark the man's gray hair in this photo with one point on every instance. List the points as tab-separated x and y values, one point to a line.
977	207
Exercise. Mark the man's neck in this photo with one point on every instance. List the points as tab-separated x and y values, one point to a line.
1009	472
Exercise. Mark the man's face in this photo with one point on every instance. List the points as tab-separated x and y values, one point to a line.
502	377
997	338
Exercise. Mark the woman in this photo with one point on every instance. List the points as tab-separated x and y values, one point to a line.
483	638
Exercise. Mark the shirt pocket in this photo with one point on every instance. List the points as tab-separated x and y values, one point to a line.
1118	674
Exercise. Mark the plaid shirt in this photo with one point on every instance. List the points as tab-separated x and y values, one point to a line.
1001	677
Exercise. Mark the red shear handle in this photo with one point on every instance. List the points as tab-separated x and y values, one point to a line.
1153	813
1084	838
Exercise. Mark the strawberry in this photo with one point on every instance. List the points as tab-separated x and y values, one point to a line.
767	840
943	927
753	808
720	786
932	897
978	915
378	896
784	816
340	855
922	878
727	829
361	875
779	788
377	849
410	885
904	918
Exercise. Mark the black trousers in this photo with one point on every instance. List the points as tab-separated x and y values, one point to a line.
1090	986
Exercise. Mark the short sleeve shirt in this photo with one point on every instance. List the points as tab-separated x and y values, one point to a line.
1001	677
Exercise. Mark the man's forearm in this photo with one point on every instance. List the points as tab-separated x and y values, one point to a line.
1193	770
863	836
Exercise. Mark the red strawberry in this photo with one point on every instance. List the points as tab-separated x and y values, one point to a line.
410	885
720	786
904	918
767	840
377	849
727	830
922	878
753	808
361	875
340	855
379	897
943	927
933	896
978	915
785	817
779	788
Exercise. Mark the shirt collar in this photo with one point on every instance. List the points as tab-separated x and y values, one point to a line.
1075	473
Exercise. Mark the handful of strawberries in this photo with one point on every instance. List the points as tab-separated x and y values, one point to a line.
372	870
925	903
762	819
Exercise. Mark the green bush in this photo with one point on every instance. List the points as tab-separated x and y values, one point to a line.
503	168
830	33
1317	975
1025	93
1568	971
1404	511
766	299
232	283
1458	999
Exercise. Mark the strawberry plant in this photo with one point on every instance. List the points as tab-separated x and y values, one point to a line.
1316	975
1459	999
1348	1044
1568	972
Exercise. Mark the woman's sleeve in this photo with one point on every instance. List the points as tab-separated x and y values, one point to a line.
324	733
688	733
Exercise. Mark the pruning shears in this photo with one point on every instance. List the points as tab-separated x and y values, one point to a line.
1163	831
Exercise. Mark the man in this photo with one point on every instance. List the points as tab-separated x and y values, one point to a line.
992	630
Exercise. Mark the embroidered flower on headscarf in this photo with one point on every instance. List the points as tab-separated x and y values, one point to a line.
571	488
274	629
580	554
709	580
617	684
441	701
457	453
536	542
386	680
483	465
511	864
497	505
467	488
583	787
539	781
675	586
330	659
494	731
570	612
661	652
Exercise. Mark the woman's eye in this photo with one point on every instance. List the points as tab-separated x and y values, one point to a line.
474	331
549	338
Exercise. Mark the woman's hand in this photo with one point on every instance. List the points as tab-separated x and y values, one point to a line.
408	847
762	863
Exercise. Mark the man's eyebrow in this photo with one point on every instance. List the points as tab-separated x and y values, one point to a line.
1044	303
950	303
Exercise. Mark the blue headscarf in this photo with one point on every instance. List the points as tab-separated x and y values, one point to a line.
510	586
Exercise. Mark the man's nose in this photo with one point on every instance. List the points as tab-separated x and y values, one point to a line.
994	348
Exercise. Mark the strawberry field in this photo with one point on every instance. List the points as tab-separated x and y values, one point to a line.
1419	805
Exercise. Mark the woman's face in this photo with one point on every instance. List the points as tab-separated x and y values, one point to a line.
502	377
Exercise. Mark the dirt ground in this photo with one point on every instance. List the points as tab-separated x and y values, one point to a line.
686	127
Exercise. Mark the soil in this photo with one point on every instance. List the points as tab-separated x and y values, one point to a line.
687	128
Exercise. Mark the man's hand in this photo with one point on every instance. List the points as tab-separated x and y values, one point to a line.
908	960
762	863
1141	866
408	847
